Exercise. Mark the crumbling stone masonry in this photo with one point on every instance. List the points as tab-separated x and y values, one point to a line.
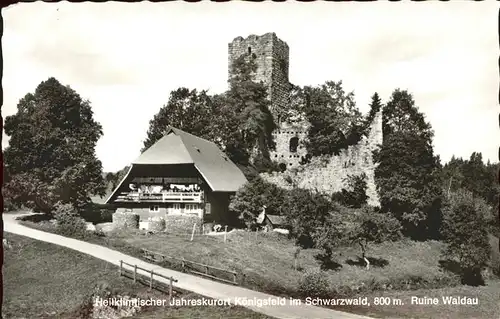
326	174
271	56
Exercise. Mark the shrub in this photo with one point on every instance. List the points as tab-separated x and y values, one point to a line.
69	222
466	236
265	165
374	227
250	199
314	284
328	237
354	195
306	211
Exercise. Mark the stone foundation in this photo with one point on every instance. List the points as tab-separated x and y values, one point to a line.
125	220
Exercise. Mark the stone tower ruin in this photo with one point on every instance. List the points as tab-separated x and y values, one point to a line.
271	56
326	174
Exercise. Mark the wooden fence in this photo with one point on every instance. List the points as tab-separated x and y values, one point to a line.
151	275
192	267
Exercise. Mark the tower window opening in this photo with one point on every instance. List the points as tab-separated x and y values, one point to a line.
249	50
294	143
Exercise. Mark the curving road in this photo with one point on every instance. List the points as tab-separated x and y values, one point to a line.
201	286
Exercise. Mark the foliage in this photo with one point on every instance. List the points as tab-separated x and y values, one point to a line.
251	198
354	195
408	174
473	175
332	115
266	165
374	227
294	113
328	237
51	152
465	234
187	110
375	107
114	179
247	103
238	121
69	222
306	211
314	284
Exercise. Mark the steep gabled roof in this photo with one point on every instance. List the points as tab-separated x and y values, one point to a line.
169	149
179	147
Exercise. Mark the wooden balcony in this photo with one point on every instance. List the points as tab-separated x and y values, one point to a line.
164	197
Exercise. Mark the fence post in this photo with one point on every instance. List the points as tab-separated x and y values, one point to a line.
225	233
183	264
170	290
151	281
121	266
135	273
192	233
206	270
234	278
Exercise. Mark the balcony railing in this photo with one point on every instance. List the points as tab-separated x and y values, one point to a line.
164	197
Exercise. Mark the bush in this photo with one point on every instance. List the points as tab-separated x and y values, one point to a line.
354	195
306	211
314	284
374	227
327	238
250	199
466	236
69	222
97	213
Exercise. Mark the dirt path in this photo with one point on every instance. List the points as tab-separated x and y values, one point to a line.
187	282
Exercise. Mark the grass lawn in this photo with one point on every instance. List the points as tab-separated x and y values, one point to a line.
45	280
267	261
407	269
488	296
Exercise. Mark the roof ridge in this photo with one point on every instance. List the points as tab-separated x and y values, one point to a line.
194	136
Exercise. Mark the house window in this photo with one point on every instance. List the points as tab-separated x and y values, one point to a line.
176	206
191	207
294	142
154	209
208	208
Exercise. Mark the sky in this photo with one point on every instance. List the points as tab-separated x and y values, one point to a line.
126	58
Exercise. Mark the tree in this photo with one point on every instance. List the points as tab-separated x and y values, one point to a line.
374	227
294	113
466	236
408	174
51	153
187	110
306	212
327	237
475	176
246	112
333	118
253	196
354	194
452	176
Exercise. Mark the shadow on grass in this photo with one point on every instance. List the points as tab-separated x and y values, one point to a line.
36	218
327	263
470	277
374	262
